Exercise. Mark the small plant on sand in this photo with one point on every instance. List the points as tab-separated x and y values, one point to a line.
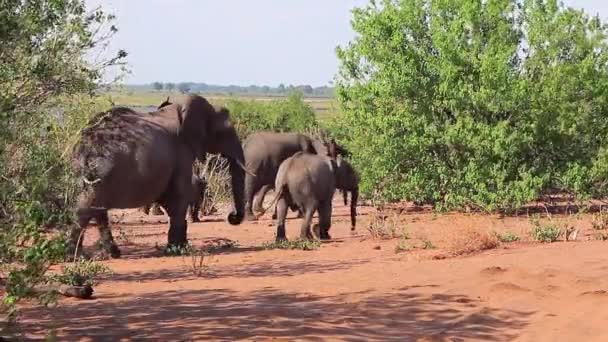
601	235
402	246
427	244
306	245
383	226
470	240
199	262
179	250
220	245
600	221
546	232
507	237
82	273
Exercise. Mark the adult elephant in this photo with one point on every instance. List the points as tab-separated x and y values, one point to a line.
264	153
129	159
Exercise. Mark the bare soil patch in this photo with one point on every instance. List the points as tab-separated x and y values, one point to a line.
354	287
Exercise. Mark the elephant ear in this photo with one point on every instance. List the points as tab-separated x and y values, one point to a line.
221	122
197	116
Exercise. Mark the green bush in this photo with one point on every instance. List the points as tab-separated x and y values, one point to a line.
507	237
44	44
305	245
546	232
82	273
290	114
485	104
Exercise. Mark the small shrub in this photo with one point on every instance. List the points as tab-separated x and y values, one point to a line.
471	240
506	237
600	221
188	249
82	273
306	245
383	226
220	245
427	244
402	246
198	266
601	235
546	233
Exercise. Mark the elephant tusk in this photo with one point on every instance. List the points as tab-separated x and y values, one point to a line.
245	168
89	182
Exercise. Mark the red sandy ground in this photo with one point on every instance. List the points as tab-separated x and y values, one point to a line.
352	288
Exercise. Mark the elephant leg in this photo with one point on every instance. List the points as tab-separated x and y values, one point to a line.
299	210
258	200
325	219
305	230
281	213
195	207
251	188
178	227
106	240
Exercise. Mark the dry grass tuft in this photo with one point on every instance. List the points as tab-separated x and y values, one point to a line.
471	240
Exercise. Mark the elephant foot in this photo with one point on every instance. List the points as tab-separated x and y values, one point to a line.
109	250
250	217
324	234
281	239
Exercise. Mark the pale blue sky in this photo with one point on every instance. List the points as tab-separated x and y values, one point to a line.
240	42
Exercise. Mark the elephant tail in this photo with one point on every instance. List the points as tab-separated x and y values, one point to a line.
353	207
274	200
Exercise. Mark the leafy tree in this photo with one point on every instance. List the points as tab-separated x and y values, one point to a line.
45	88
169	86
157	86
470	103
184	87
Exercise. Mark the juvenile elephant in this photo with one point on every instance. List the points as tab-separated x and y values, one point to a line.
195	199
127	159
264	153
347	180
306	181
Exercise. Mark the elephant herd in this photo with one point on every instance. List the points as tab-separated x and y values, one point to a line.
130	159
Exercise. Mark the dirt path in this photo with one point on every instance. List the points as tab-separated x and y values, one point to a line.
353	288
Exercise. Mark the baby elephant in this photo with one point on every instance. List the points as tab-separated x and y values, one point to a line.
195	200
305	181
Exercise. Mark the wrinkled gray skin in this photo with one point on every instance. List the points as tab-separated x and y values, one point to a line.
347	180
195	199
264	153
129	159
306	181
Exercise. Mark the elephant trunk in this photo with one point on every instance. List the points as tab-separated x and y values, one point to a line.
234	152
353	207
